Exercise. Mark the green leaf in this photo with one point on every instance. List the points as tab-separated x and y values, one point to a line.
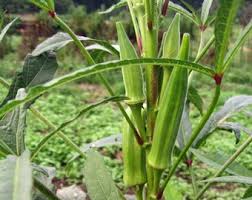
120	4
39	185
6	28
36	70
67	123
41	4
223	28
231	106
98	68
237	45
195	98
248	194
231	179
217	160
60	40
16	178
99	182
172	193
205	10
182	11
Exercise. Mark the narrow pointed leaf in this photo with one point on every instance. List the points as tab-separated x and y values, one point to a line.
182	11
99	182
6	28
60	40
98	68
231	179
223	28
16	177
205	10
216	160
195	98
237	45
120	4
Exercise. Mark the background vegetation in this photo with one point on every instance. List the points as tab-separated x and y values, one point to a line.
106	120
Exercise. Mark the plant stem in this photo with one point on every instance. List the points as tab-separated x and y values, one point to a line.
91	61
193	137
139	192
226	164
194	184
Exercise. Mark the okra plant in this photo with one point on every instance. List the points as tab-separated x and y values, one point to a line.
156	133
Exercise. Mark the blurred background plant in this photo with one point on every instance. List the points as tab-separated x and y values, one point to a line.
83	16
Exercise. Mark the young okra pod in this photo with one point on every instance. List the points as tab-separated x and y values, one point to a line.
134	172
133	79
170	113
171	44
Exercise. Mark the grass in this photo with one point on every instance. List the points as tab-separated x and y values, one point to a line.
62	104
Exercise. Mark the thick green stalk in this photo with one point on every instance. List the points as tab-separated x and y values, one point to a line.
90	61
226	164
193	137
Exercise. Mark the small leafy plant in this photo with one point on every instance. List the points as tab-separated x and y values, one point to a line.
156	134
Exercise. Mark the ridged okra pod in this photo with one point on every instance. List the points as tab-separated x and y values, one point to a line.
171	45
134	172
170	113
133	79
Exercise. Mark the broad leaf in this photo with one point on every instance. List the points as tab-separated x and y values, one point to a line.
205	10
114	7
217	160
98	68
232	105
16	177
99	182
182	11
223	28
12	128
61	39
237	45
231	179
36	70
6	28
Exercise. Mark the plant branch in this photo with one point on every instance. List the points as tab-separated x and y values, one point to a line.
226	164
193	137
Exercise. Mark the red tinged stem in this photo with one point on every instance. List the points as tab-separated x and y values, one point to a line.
165	7
52	13
140	44
218	78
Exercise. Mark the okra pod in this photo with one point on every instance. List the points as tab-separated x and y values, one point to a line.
170	112
134	172
171	45
133	79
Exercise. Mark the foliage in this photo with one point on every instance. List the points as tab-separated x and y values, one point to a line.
167	105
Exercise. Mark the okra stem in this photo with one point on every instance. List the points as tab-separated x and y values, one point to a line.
193	137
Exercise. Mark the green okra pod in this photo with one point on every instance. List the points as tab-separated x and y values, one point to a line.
132	76
170	113
133	79
171	45
134	172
